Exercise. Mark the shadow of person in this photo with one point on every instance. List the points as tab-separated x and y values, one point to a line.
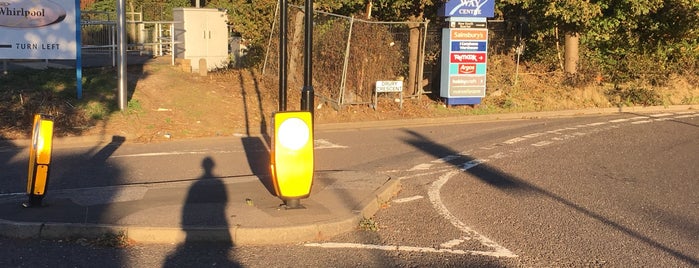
208	242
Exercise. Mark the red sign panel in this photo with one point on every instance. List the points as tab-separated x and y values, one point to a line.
468	57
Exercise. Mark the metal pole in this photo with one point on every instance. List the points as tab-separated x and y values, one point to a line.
307	94
78	50
269	44
121	40
172	44
283	28
343	82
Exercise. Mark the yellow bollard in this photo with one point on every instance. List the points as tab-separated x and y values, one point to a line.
292	156
39	159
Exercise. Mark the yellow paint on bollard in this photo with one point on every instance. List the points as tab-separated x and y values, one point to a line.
39	159
292	154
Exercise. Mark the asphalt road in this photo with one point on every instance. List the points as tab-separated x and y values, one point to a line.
618	190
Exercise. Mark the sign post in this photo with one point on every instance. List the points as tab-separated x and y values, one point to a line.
465	50
292	162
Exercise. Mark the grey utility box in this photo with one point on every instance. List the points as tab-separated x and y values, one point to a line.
201	33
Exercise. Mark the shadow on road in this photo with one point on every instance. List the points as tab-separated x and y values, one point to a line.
256	149
204	207
506	182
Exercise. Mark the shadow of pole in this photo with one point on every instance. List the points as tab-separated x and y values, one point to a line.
204	207
256	150
506	182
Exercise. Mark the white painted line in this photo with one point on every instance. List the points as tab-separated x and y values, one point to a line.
686	116
557	131
420	175
472	163
408	199
498	155
436	200
515	140
619	120
534	135
446	159
452	243
661	115
325	144
638	118
642	122
318	145
542	143
596	124
12	194
166	154
683	113
421	167
407	248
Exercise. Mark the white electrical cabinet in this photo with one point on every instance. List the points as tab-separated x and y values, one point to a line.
201	33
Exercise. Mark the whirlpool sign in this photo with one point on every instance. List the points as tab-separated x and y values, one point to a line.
468	8
38	29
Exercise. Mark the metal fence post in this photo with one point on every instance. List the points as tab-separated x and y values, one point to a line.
343	82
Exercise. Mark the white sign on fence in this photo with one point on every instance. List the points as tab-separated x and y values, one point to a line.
389	86
38	29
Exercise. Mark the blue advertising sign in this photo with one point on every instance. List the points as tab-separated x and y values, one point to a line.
468	46
468	8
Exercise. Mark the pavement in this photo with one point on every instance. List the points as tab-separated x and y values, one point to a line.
242	210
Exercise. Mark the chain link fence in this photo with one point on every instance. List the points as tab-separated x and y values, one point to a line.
351	54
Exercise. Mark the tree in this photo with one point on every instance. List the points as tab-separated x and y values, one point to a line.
573	17
411	11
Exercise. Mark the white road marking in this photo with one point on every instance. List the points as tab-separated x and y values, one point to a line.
498	155
318	145
596	124
534	135
408	199
424	166
436	200
419	175
542	143
685	116
638	118
619	120
661	115
446	159
513	141
403	248
454	242
325	144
